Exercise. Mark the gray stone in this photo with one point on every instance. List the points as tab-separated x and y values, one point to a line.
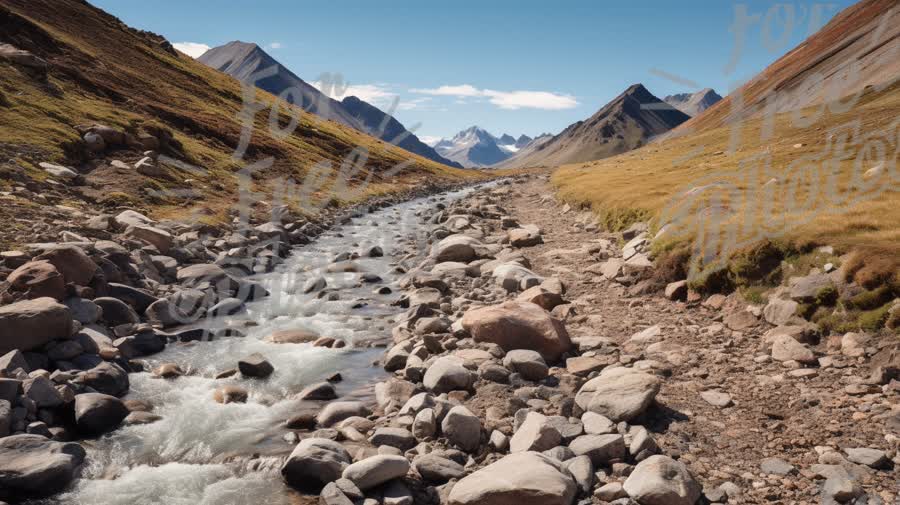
660	480
620	394
97	413
400	438
779	312
520	478
447	374
315	461
335	412
462	428
874	458
29	325
582	470
600	448
529	364
436	469
255	365
596	424
42	392
32	465
776	466
318	391
535	434
376	470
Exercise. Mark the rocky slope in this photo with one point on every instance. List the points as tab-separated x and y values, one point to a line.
625	123
693	104
84	99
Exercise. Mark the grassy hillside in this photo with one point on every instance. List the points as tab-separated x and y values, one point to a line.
101	71
799	185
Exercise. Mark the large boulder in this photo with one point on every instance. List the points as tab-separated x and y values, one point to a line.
517	479
335	412
33	465
37	279
519	325
157	237
314	463
660	480
107	378
31	324
461	248
75	266
116	312
536	433
462	428
376	470
97	413
437	469
620	394
447	374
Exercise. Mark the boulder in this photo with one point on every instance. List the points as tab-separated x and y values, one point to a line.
462	428
536	433
106	378
42	392
529	364
424	424
779	312
520	478
75	266
514	277
539	295
447	374
83	310
12	361
526	236
97	413
677	290
335	412
37	279
620	394
318	391
376	470
157	237
401	438
600	448
32	465
60	172
116	312
660	480
807	289
785	348
292	336
314	463
230	394
519	325
31	324
456	248
255	365
436	469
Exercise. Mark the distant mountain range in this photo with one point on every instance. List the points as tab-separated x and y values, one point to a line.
693	104
476	147
627	122
241	60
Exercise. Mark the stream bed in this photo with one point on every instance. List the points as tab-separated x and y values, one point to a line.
204	452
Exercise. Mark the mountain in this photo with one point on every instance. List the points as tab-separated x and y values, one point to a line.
382	125
510	144
76	66
693	104
625	123
857	49
242	60
473	147
523	141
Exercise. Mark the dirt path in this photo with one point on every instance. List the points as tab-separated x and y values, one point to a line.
802	416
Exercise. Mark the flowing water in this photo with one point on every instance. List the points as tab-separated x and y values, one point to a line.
203	452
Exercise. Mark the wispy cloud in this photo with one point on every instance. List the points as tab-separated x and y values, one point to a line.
378	95
415	103
275	45
192	49
512	100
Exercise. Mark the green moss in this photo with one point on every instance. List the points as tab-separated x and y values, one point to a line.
868	300
711	280
755	294
758	264
827	296
873	320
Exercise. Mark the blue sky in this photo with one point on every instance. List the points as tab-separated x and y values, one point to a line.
508	66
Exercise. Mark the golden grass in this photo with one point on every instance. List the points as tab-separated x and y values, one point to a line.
685	181
104	73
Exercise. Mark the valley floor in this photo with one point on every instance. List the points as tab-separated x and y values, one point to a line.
801	417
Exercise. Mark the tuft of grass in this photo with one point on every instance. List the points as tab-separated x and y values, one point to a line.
755	294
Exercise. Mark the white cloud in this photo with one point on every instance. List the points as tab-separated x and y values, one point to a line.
415	103
275	45
192	49
378	95
461	90
512	100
